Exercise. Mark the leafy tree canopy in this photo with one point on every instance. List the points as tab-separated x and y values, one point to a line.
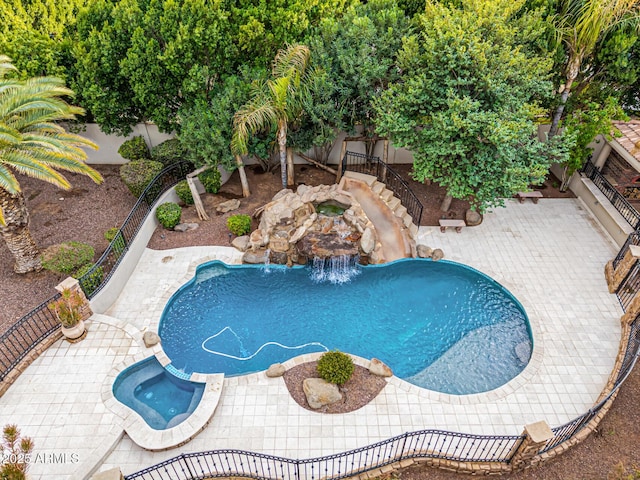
467	100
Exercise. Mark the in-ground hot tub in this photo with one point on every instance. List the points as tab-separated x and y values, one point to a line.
162	399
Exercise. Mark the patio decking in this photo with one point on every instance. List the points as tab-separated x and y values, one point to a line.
551	256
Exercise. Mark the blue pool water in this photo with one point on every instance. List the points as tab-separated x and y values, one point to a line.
440	325
162	399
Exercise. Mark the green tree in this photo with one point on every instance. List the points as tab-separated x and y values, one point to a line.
275	104
32	144
582	25
467	100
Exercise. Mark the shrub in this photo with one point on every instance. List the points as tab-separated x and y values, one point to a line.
137	174
91	280
184	192
239	224
168	214
335	367
210	179
115	238
168	152
67	308
134	149
67	257
15	451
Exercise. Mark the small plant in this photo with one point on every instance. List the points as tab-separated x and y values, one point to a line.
168	214
210	179
67	308
89	280
115	238
168	152
67	257
335	367
15	454
137	174
134	149
239	224
184	192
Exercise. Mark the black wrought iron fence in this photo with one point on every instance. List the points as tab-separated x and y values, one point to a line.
620	203
98	276
421	444
632	239
37	325
25	335
358	162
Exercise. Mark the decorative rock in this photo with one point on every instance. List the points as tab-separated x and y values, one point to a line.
228	206
368	241
281	194
278	244
424	251
437	254
472	218
257	239
325	245
150	339
185	227
241	243
320	393
278	258
254	257
376	367
276	370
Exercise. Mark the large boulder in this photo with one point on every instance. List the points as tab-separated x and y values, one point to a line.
424	251
241	243
379	368
276	370
368	240
325	245
320	392
472	218
256	257
228	206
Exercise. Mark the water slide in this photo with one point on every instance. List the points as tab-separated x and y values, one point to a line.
389	228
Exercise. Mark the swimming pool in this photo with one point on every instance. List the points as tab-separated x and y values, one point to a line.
439	325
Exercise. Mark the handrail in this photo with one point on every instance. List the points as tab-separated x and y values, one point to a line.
358	162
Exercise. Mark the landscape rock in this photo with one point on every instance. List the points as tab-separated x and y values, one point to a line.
150	339
379	368
437	254
241	243
228	206
424	251
320	392
368	241
185	227
325	245
276	370
254	258
472	218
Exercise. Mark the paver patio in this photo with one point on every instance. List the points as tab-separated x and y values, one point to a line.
551	256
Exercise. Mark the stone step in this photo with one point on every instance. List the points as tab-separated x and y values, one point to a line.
386	195
378	187
400	211
393	203
413	229
407	220
363	177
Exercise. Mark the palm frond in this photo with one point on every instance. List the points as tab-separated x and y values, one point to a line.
293	58
25	164
8	180
5	65
252	117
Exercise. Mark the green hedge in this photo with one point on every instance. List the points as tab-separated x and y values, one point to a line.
168	214
335	367
67	257
137	174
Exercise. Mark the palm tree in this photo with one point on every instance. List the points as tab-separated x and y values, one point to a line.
275	103
581	25
32	144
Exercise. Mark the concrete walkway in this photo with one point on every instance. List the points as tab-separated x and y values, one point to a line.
551	256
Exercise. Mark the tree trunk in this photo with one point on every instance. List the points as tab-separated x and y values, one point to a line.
446	203
16	233
291	181
573	68
564	181
282	144
243	177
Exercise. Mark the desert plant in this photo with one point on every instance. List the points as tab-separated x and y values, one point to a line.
134	149
116	239
137	174
89	279
67	308
15	452
239	224
335	367
210	179
168	214
168	152
184	192
67	257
